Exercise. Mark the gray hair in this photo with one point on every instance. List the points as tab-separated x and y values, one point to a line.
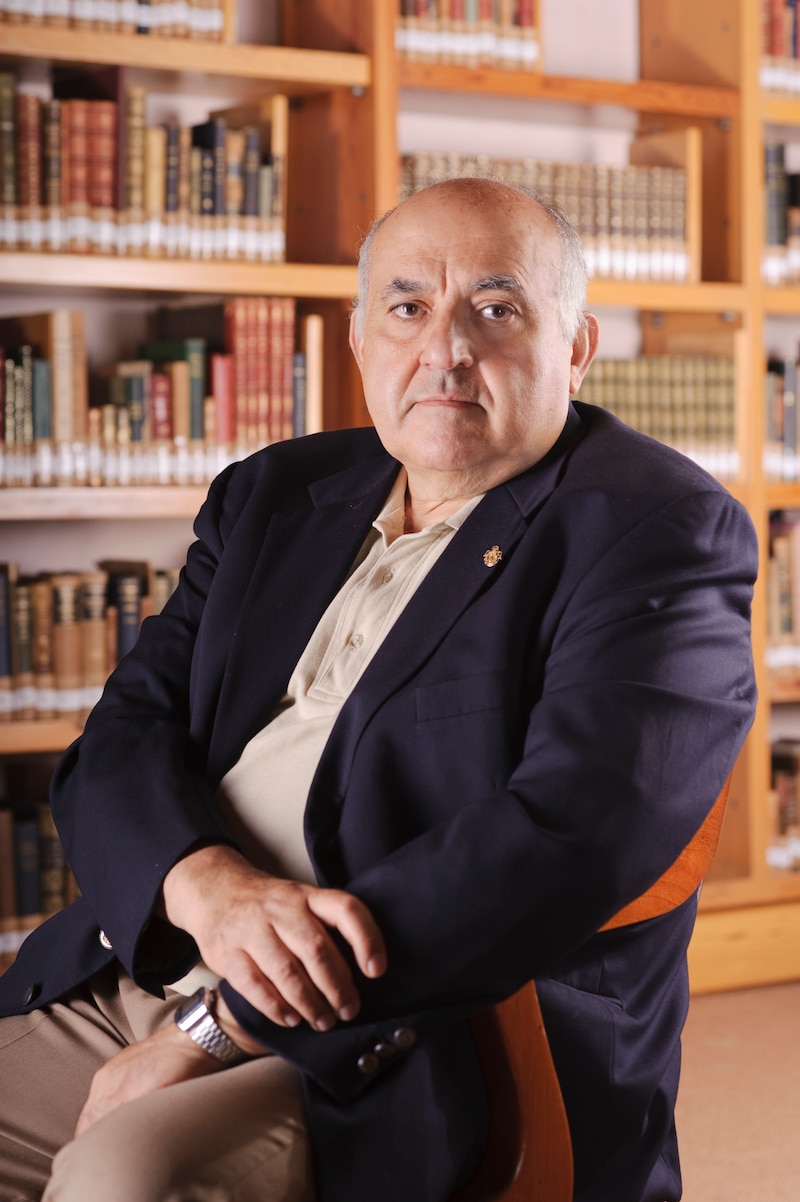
571	291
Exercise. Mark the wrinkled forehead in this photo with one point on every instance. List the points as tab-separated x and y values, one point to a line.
444	237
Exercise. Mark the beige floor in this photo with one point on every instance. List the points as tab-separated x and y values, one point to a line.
739	1103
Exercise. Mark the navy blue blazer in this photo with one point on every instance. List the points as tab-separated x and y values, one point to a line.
532	746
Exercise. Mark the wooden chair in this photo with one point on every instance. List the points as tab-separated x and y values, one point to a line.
528	1156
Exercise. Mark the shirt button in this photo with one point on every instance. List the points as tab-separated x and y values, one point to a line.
356	641
368	1064
388	576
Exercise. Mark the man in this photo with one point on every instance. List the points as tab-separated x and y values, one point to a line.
493	657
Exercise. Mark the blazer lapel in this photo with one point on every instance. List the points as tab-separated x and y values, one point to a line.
306	553
464	569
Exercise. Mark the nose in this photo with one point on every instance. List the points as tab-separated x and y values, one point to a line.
446	342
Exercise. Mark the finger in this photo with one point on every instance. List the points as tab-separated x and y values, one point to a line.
250	976
316	977
354	922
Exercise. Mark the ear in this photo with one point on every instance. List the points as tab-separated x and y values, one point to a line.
356	340
583	351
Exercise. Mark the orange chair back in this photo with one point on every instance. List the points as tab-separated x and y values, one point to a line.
528	1156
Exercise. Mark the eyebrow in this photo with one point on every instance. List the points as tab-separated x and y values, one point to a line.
491	283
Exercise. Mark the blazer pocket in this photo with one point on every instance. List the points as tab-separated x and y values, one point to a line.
452	698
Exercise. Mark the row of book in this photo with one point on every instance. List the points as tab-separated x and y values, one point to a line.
781	255
783	600
198	19
632	219
62	633
780	46
781	442
469	33
35	880
213	383
685	401
85	174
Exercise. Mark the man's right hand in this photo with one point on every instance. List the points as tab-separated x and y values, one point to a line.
271	938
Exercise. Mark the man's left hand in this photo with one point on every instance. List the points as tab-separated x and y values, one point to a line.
162	1059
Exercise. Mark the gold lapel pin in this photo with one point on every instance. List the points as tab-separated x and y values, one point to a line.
492	556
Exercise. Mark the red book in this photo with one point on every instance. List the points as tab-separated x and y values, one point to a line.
221	370
236	345
75	119
264	400
161	415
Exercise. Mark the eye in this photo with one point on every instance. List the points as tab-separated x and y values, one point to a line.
497	310
407	309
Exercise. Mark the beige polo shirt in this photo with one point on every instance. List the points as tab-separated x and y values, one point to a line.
264	794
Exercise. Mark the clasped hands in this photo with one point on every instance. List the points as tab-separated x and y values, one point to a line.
271	939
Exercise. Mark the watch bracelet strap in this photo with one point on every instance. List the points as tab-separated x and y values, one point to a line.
208	1034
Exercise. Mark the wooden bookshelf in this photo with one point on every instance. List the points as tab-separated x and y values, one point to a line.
126	503
143	276
699	68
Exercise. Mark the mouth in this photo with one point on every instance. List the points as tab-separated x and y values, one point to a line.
445	400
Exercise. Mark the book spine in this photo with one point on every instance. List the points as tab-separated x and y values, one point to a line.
102	118
29	174
8	574
23	684
67	646
52	182
128	596
92	618
42	635
132	234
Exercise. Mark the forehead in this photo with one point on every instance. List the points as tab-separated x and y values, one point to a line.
436	239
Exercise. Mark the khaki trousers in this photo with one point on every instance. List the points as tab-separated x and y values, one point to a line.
236	1135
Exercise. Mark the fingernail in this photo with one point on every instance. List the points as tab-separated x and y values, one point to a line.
291	1020
325	1023
376	966
348	1012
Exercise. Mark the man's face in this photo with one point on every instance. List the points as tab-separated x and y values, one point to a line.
465	368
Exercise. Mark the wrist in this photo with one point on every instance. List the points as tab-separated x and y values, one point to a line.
197	1017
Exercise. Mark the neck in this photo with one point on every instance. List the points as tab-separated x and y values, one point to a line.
425	509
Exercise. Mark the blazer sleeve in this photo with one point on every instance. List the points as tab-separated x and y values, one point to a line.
648	695
130	797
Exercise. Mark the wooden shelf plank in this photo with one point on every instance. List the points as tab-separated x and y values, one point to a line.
136	503
647	96
47	735
782	300
675	298
118	273
781	111
784	495
292	70
751	945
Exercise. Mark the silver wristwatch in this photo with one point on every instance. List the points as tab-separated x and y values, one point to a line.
195	1016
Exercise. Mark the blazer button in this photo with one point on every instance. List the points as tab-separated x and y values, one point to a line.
31	993
368	1064
384	1050
405	1038
105	941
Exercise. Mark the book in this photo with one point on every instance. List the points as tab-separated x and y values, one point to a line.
27	862
192	350
21	622
8	576
8	888
67	654
59	337
92	599
130	594
42	647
